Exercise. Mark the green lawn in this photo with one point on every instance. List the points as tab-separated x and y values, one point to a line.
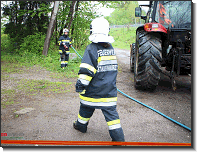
123	37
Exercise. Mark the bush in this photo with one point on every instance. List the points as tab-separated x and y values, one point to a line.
6	43
33	44
30	53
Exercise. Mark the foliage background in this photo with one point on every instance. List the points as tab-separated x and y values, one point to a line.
22	38
124	14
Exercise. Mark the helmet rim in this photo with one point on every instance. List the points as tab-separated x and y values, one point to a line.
65	30
99	30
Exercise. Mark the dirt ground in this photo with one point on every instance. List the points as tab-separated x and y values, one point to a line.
53	114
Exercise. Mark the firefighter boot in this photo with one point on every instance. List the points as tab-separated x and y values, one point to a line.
80	127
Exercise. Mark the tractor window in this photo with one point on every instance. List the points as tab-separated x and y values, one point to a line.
174	14
151	12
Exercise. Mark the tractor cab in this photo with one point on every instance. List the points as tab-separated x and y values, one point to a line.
171	14
163	41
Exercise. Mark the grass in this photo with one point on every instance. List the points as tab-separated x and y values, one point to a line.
11	68
32	87
23	55
123	37
8	98
119	69
5	42
14	61
9	54
51	63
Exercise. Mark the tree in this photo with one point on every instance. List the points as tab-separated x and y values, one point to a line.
62	16
26	18
31	18
124	14
50	28
84	14
77	17
71	15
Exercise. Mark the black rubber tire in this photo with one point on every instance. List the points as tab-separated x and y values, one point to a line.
132	48
147	60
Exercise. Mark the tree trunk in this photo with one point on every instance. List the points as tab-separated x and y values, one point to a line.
22	7
29	19
50	28
75	16
16	11
71	13
56	32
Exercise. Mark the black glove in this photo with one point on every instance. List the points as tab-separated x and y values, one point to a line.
79	86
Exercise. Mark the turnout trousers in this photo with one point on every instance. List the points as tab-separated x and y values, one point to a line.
64	59
111	117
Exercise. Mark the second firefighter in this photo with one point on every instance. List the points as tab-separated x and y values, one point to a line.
64	44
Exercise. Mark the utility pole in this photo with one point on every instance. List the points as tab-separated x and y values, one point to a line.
50	28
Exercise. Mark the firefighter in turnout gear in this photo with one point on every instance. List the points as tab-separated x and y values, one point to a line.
97	81
64	44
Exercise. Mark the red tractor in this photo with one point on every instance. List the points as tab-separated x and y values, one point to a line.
163	41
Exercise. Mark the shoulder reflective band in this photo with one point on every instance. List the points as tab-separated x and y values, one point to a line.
87	66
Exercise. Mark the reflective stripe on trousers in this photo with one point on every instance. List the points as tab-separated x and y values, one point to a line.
98	102
64	59
111	117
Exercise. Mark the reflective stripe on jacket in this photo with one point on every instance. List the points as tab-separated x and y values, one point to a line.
64	40
98	72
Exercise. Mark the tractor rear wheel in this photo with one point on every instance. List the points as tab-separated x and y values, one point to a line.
147	60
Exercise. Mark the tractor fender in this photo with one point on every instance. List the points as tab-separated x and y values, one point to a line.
139	28
152	27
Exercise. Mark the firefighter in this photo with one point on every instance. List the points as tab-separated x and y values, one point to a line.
64	44
97	81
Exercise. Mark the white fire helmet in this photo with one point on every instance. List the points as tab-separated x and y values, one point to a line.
99	30
65	30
